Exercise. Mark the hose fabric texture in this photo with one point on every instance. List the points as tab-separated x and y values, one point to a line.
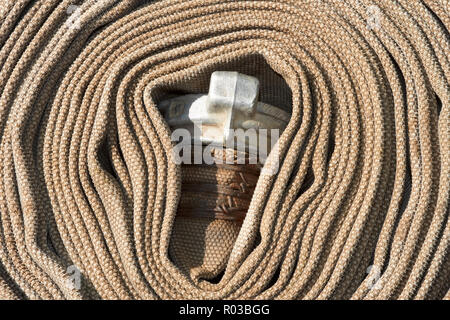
358	209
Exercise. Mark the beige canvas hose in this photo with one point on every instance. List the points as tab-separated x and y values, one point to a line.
359	208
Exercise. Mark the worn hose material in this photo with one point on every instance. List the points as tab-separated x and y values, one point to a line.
359	208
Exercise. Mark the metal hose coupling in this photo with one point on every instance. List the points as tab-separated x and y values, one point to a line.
222	140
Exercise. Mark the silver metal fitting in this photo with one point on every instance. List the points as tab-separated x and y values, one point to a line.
231	104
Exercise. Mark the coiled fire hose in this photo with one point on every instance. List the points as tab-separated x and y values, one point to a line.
358	208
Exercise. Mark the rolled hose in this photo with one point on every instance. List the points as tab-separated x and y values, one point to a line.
358	209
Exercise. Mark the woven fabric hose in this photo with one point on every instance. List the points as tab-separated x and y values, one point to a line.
94	206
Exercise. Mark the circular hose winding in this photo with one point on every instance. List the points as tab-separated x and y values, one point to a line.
358	209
